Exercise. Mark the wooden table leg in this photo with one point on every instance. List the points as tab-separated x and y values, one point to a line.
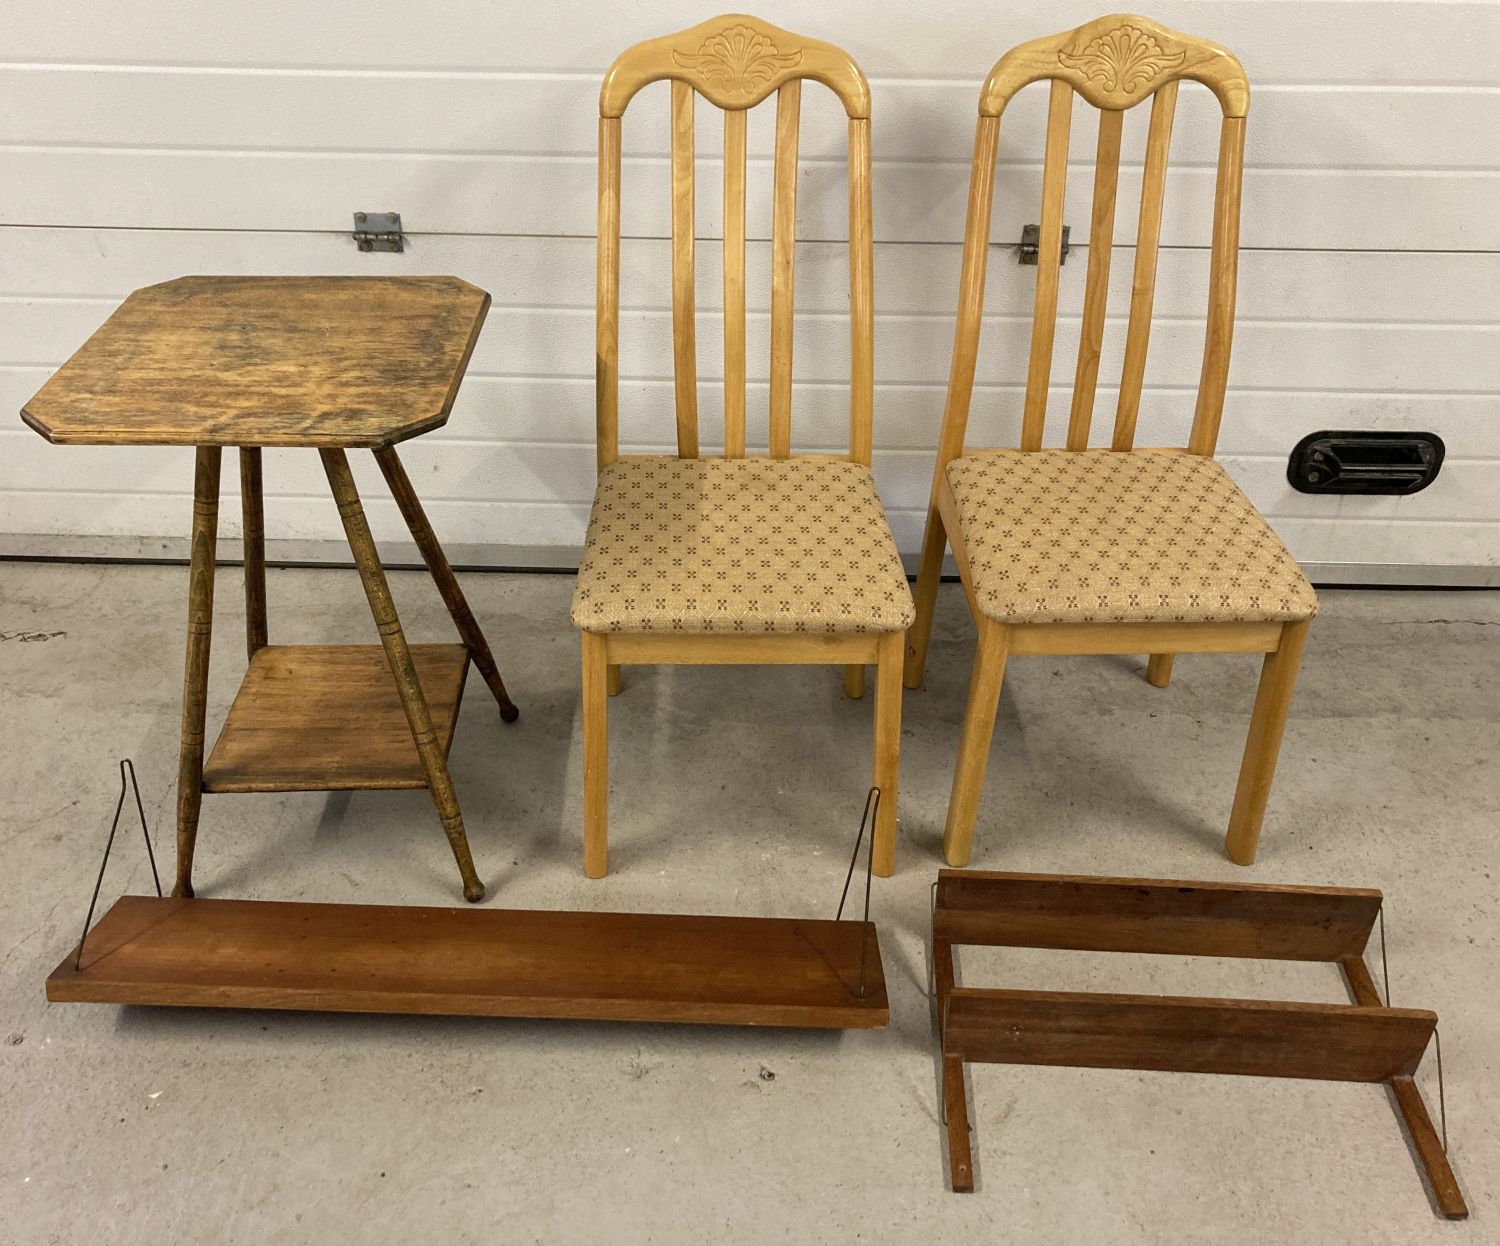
195	672
254	532
442	575
362	546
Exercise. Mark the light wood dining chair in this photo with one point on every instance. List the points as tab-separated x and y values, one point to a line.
1119	550
766	558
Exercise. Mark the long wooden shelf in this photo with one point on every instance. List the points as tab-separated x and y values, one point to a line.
478	962
314	718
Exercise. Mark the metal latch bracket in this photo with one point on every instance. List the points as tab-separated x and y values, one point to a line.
1031	244
379	231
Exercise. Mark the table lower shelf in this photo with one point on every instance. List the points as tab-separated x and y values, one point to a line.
479	962
315	718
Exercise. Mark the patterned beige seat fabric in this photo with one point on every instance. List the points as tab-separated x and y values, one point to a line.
739	545
1056	536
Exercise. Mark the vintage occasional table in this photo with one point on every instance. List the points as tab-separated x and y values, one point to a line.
325	363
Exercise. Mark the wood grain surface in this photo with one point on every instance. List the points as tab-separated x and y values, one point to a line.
1186	1034
734	61
313	718
267	361
1154	915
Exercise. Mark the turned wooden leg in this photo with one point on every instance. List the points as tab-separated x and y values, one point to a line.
1159	670
595	756
195	673
887	748
854	681
398	654
616	682
934	543
441	571
974	744
1278	677
253	531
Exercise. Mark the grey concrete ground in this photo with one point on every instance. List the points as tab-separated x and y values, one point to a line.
734	791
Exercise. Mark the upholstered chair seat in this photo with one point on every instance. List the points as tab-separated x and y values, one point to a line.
1100	536
739	545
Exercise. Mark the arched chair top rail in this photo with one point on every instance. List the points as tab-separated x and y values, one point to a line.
1115	62
735	62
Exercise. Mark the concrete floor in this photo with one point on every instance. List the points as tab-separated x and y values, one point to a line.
735	791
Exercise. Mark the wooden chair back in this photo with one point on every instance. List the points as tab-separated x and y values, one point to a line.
1113	63
735	62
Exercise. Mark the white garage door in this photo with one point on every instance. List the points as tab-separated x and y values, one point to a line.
211	136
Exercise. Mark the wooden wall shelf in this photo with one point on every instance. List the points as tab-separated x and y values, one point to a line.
479	962
1360	1042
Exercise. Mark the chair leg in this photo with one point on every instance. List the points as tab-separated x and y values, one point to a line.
615	680
887	748
854	681
1278	678
595	755
1159	670
195	670
974	745
934	543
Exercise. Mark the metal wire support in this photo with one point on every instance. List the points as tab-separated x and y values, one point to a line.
931	950
1385	969
127	780
1437	1038
872	807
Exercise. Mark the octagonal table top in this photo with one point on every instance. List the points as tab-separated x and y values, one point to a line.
267	361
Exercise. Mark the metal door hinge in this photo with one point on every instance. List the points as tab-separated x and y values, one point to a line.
1031	243
379	231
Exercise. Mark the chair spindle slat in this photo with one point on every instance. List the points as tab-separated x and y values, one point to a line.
607	296
734	284
684	284
1222	275
861	295
783	263
960	385
970	293
1096	286
1048	262
1143	285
